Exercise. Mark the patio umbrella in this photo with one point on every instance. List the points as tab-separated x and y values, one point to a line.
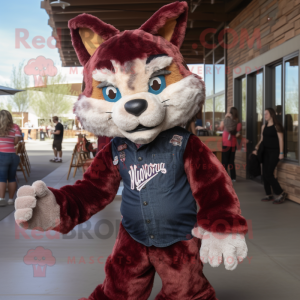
4	90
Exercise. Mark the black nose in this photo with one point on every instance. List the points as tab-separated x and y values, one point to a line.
136	107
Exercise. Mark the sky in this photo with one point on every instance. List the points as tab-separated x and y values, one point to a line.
28	17
19	17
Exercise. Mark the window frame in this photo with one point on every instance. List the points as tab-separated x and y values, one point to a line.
267	94
284	59
214	39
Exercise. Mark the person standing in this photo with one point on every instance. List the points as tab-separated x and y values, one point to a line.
57	142
10	135
48	129
272	139
231	127
29	126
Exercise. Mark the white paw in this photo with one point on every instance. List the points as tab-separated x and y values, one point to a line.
216	247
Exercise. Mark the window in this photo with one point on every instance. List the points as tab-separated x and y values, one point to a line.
291	102
209	75
277	91
219	53
214	77
209	114
219	111
220	77
243	106
259	106
275	85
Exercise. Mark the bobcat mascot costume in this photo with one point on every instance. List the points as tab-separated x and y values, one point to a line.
139	91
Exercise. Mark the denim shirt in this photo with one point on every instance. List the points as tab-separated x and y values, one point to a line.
158	208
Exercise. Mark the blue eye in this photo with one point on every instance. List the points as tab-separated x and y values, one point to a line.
157	84
111	94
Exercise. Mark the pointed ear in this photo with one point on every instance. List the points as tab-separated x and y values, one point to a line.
169	22
87	34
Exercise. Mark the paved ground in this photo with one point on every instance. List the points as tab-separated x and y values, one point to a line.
271	271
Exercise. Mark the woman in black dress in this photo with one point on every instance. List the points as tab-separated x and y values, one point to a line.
272	138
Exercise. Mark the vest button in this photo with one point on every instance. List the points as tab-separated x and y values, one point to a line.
145	203
140	158
148	221
152	236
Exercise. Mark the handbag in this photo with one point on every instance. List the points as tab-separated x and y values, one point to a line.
254	166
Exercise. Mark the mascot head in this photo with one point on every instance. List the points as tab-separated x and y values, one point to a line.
136	81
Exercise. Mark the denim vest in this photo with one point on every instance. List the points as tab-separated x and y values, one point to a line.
157	207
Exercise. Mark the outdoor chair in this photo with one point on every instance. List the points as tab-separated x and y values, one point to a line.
80	157
78	160
24	158
19	147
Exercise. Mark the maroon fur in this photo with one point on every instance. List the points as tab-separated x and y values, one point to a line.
211	186
86	197
130	44
177	10
141	45
213	190
99	27
131	267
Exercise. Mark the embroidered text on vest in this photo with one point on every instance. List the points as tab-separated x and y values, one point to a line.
140	177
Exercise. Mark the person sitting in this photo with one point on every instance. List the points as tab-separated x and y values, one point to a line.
10	135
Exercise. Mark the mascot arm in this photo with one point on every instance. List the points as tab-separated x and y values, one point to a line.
42	208
219	222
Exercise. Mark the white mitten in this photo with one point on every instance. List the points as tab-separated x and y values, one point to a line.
36	207
232	247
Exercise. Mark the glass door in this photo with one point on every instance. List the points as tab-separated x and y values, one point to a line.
240	102
255	110
282	94
291	101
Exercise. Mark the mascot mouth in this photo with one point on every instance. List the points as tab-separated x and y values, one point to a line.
140	127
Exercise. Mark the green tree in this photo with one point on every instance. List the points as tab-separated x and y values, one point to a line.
19	80
8	106
52	100
291	98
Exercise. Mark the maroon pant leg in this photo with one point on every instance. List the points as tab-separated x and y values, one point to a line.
180	269
129	273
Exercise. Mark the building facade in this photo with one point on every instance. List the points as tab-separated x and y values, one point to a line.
264	72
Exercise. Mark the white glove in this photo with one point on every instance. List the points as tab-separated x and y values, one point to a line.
233	247
36	207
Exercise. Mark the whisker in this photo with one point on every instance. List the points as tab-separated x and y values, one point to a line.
165	100
109	112
166	105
